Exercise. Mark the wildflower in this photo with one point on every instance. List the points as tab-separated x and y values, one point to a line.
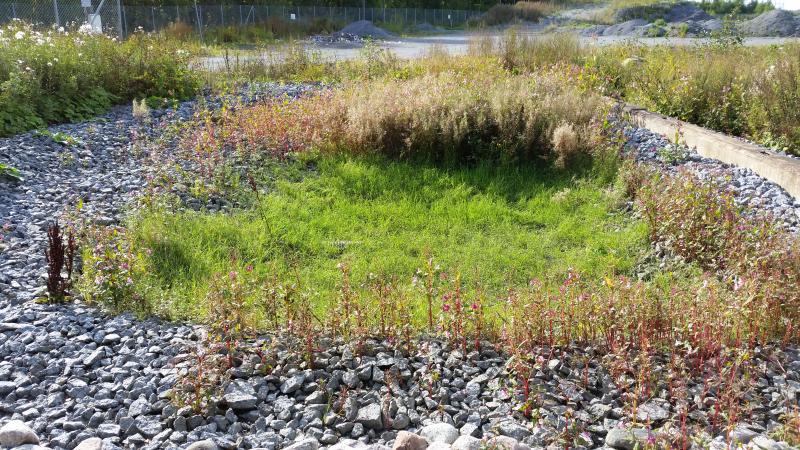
446	307
232	275
19	35
474	306
49	64
86	28
249	268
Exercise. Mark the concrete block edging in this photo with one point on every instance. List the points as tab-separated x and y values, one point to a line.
781	170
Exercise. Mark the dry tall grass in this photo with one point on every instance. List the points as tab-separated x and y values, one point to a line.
438	117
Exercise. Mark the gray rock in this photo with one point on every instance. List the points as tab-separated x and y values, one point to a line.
514	430
292	384
108	430
651	412
439	432
371	416
240	395
148	426
627	439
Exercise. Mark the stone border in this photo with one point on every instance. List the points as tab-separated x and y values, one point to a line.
782	170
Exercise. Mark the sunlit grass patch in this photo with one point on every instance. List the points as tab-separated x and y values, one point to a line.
493	224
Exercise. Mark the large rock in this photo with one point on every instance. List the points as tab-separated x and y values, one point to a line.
466	443
409	441
627	439
90	444
371	416
207	444
439	446
16	433
439	432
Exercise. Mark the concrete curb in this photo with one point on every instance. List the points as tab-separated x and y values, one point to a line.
782	170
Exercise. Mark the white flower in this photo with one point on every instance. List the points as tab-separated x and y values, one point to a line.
55	59
86	29
60	29
39	41
19	35
49	64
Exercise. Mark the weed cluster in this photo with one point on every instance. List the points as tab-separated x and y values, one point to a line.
57	75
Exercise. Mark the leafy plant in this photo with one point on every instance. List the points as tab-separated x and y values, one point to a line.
10	172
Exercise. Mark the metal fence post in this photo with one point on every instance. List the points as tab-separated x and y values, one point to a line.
199	21
119	20
55	10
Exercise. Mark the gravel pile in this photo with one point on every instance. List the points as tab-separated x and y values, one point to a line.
777	22
72	377
365	28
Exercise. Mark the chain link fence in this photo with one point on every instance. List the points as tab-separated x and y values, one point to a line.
117	18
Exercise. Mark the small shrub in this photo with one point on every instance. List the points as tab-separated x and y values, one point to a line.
111	269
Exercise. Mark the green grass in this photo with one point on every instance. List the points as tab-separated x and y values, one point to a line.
498	224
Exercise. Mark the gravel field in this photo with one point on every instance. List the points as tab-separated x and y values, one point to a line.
73	377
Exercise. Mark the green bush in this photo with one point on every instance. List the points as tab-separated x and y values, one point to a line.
54	75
